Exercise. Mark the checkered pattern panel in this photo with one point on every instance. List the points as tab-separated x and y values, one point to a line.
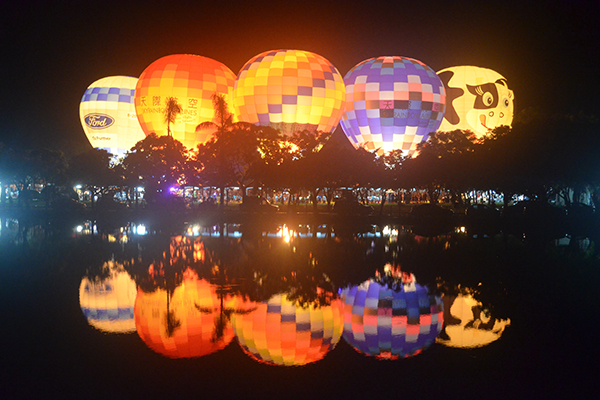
279	332
110	101
194	308
392	103
192	80
390	324
108	305
290	90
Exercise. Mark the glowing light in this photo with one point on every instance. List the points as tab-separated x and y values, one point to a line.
468	324
107	114
279	332
389	324
392	103
182	325
108	304
478	99
140	229
286	233
192	80
290	90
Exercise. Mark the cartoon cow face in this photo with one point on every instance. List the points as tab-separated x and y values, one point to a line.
477	99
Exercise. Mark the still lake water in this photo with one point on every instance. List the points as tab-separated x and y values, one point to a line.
88	318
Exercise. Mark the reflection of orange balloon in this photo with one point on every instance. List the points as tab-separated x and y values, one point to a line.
279	332
186	328
192	80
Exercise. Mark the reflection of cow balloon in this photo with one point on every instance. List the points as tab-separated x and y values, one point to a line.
280	332
467	324
192	81
392	103
182	324
107	113
108	304
390	324
291	90
478	99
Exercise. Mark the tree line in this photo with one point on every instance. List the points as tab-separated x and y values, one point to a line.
540	157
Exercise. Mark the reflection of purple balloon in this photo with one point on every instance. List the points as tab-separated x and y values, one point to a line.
390	324
392	103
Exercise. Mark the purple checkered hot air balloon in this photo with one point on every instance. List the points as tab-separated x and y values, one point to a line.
391	323
392	103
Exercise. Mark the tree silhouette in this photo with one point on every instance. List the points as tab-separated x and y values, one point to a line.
172	110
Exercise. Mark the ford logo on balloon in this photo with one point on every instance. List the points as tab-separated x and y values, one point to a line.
98	121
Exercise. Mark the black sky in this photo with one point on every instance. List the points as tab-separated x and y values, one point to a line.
52	50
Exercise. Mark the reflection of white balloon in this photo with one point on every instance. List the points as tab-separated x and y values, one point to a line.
108	305
469	325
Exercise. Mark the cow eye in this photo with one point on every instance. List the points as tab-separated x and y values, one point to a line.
488	99
506	102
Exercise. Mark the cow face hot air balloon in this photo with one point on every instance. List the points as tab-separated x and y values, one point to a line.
478	99
281	332
392	103
191	80
467	323
107	113
290	90
108	304
390	323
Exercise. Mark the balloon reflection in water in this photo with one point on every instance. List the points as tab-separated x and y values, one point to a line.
189	323
467	324
280	332
391	321
108	304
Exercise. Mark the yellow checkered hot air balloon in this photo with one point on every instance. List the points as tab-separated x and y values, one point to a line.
290	90
280	332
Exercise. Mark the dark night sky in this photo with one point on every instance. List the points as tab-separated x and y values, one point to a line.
52	50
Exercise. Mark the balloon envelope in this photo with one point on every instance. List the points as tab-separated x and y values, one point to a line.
392	103
107	114
181	325
478	99
290	90
390	324
108	304
280	332
191	80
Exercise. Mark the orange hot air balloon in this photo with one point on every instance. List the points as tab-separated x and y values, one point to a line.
185	324
279	332
191	80
291	90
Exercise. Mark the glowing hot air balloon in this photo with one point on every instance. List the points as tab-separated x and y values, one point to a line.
467	324
107	113
191	80
280	332
182	324
290	90
389	324
478	99
108	304
392	103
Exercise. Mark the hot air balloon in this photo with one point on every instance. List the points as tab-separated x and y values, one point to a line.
478	99
467	324
392	103
107	114
191	80
290	90
108	304
391	323
281	332
183	324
